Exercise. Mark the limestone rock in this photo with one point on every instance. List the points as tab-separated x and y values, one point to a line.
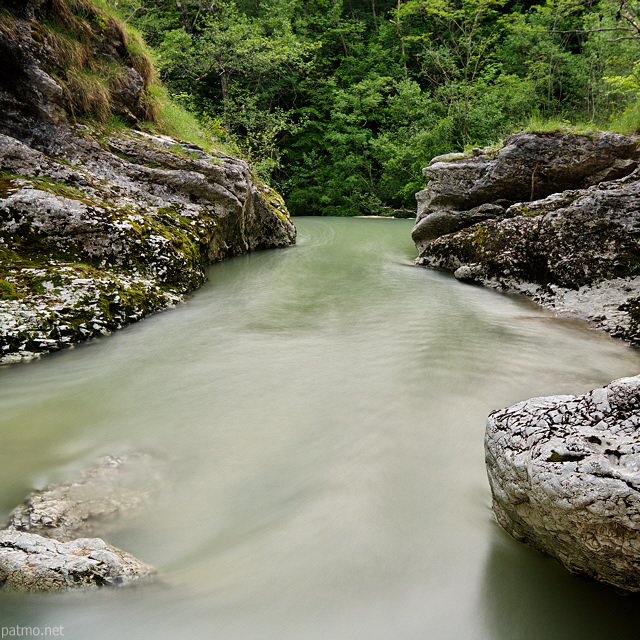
90	504
48	543
569	239
98	230
528	167
565	478
127	92
573	240
94	238
32	563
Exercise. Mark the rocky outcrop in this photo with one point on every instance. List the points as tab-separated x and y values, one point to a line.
464	190
109	231
552	216
100	227
47	544
565	478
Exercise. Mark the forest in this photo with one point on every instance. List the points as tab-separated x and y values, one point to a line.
340	103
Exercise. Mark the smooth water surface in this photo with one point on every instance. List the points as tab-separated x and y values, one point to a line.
318	414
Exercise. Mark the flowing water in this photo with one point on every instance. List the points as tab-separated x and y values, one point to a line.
318	413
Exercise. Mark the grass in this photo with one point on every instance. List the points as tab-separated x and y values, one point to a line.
174	120
8	291
628	122
538	124
82	34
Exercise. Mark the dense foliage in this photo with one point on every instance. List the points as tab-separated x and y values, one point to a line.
342	102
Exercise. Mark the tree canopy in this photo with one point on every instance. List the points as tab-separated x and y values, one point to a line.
340	103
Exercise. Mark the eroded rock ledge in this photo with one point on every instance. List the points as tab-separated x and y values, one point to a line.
565	477
109	231
99	227
555	216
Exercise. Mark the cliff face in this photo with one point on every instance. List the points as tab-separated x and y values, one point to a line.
554	216
99	229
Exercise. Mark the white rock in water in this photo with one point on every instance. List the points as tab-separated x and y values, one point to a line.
571	488
29	562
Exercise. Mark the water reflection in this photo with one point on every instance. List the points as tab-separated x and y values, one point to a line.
529	596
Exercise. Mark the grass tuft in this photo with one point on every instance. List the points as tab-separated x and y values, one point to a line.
628	122
538	124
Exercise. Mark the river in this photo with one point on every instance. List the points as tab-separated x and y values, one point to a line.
319	413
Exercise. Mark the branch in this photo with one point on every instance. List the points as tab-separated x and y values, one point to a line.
627	15
585	30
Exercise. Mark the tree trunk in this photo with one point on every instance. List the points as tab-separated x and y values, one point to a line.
226	100
402	49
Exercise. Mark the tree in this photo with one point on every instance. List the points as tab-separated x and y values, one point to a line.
227	45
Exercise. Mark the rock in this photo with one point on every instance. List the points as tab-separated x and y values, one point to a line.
32	563
127	93
469	273
100	235
570	239
48	544
565	478
32	104
444	221
89	505
528	166
98	230
575	240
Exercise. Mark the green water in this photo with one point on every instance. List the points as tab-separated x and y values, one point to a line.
318	416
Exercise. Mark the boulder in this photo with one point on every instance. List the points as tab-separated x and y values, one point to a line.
564	473
48	542
32	563
570	239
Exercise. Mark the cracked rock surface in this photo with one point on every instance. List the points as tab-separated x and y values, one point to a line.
31	563
564	473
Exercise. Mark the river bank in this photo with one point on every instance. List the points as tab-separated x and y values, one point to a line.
105	219
552	215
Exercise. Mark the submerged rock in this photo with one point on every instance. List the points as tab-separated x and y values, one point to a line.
88	505
48	542
484	219
31	563
565	478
